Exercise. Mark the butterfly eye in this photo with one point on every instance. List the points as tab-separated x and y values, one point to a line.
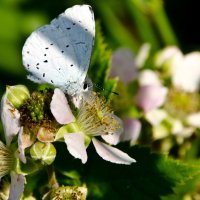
85	86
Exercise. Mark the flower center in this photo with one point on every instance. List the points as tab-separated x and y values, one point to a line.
35	112
95	117
180	103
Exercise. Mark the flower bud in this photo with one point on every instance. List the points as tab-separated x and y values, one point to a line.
45	152
17	95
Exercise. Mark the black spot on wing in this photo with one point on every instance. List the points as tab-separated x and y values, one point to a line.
68	28
45	61
43	75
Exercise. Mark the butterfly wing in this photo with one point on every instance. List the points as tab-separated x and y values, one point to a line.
59	53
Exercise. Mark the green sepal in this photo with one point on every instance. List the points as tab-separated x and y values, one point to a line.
27	168
71	128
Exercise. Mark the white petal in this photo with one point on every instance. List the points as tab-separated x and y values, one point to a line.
112	154
148	77
150	97
21	146
194	120
186	73
75	145
156	116
178	129
17	186
114	138
177	126
60	108
123	65
132	129
10	120
143	55
167	55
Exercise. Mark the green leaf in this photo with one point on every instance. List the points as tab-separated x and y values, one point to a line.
100	65
152	177
190	186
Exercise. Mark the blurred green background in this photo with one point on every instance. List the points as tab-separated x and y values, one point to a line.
127	23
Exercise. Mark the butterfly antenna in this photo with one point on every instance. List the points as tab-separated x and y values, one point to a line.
104	89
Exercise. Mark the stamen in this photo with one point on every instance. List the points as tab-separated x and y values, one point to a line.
6	160
95	117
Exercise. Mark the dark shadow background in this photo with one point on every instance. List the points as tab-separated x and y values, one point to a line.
185	19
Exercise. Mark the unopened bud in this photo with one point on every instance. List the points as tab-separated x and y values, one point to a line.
17	94
45	152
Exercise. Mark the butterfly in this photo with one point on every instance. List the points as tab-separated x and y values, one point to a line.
59	53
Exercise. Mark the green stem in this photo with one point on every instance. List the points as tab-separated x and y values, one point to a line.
52	177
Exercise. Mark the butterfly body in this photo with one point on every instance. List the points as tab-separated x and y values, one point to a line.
59	53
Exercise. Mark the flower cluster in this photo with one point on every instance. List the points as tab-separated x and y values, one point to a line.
164	89
34	122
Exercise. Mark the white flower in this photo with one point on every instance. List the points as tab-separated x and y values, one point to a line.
94	119
10	120
183	69
186	72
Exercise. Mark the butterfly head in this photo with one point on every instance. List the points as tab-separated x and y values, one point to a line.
75	88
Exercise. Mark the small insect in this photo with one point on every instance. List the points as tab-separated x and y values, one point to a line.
59	53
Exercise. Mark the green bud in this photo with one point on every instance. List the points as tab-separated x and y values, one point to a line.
45	152
17	94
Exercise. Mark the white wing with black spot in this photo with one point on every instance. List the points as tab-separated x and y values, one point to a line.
59	53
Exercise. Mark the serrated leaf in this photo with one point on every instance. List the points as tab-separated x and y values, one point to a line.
150	178
100	65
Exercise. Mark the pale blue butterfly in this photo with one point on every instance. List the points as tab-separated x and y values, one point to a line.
59	53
